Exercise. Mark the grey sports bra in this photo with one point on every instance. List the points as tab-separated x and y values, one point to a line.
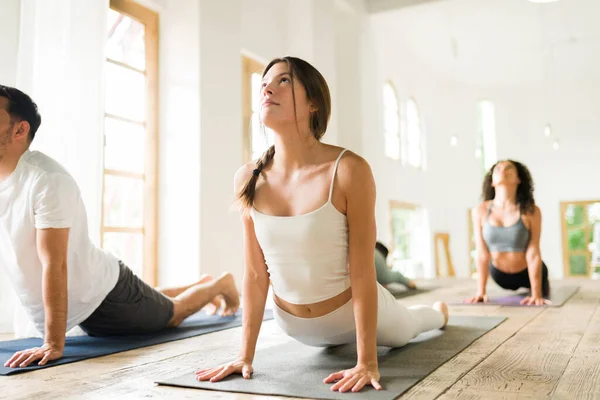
502	239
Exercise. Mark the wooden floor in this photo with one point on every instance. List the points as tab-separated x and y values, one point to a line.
536	353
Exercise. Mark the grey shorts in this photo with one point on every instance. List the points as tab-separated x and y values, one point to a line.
132	307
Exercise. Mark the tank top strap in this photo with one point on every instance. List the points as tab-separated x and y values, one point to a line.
337	162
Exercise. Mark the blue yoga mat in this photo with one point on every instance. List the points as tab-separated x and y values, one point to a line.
79	348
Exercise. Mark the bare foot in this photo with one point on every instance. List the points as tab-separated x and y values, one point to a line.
443	308
230	294
215	304
205	278
411	285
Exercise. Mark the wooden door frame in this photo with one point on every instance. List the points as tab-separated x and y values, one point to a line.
397	204
249	67
564	227
150	20
445	238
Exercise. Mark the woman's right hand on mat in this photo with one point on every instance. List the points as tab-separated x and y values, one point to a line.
216	374
47	352
480	298
354	379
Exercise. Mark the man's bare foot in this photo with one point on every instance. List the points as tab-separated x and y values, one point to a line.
443	308
230	293
215	304
411	285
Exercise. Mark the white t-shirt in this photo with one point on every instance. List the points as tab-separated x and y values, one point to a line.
41	194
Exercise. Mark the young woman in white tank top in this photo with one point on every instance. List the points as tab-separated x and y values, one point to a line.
308	212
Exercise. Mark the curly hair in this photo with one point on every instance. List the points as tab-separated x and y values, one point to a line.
525	199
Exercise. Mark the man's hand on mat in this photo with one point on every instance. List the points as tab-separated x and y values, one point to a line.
216	374
480	298
534	301
22	359
354	379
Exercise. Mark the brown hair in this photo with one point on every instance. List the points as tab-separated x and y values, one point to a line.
525	199
317	92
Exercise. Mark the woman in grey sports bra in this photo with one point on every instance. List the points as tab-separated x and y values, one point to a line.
507	226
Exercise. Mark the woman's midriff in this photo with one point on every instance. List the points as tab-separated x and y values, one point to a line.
509	262
315	309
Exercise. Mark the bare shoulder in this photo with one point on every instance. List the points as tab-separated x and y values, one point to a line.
243	175
354	169
480	209
535	214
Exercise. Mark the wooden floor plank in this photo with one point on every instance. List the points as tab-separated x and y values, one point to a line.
465	394
199	351
533	361
582	375
444	377
503	364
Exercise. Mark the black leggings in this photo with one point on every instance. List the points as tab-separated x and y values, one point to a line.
519	280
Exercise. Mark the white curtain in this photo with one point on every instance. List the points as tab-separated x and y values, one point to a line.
60	65
9	32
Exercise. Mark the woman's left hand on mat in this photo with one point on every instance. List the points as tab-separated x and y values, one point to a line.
535	301
354	379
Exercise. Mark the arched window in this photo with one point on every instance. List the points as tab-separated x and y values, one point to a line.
413	138
487	134
256	140
391	122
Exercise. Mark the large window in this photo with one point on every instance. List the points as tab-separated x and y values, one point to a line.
257	139
391	122
409	236
580	222
487	134
413	140
129	194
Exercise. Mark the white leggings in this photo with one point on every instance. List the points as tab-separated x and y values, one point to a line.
396	324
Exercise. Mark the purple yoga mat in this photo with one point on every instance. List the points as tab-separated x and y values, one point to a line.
558	296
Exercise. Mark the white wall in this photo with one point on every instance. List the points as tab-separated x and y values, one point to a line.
565	175
445	189
349	26
418	66
179	142
200	104
9	31
200	232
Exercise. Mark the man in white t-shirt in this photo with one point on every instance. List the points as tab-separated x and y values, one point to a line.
60	277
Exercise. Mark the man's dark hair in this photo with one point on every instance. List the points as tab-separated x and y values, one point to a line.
21	108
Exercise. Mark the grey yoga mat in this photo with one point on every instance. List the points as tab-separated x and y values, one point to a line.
399	291
296	370
558	296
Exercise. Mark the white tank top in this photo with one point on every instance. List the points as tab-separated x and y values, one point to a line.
306	255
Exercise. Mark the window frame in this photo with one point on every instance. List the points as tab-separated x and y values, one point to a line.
483	142
405	145
149	230
250	66
587	228
398	133
396	204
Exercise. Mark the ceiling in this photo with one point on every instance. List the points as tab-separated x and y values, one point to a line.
495	42
374	6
